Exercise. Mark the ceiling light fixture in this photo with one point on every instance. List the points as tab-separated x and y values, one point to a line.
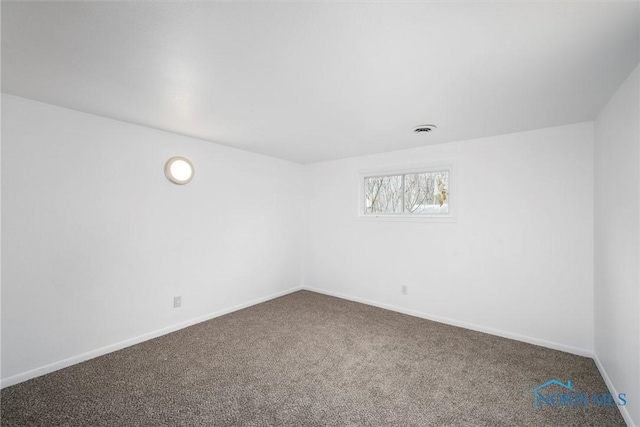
179	170
424	128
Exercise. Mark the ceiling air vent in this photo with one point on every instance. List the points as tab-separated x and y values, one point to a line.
424	128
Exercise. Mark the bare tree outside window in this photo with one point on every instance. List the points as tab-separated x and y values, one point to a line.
423	193
383	194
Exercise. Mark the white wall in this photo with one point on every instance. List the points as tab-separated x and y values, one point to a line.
518	261
617	238
97	242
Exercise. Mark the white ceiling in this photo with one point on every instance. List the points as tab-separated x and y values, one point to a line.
315	81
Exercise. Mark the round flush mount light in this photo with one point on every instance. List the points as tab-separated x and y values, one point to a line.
179	170
424	128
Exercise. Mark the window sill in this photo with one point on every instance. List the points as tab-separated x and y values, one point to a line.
407	218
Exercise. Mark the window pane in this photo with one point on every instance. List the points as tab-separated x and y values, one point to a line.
383	194
426	193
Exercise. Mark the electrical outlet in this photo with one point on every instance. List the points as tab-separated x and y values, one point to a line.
177	302
404	290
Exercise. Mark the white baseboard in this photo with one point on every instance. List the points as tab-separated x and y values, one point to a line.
612	389
18	378
531	340
24	376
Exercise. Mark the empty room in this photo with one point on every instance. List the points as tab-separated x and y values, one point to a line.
314	213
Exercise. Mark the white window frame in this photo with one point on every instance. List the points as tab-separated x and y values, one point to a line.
430	167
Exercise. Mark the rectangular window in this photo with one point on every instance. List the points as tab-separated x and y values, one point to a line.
424	193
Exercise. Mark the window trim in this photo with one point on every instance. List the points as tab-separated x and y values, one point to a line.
404	170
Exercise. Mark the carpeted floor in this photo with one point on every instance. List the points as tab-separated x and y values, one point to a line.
311	360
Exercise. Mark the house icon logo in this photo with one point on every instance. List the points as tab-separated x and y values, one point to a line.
569	397
538	394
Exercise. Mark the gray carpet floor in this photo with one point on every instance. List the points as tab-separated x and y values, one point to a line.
307	359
